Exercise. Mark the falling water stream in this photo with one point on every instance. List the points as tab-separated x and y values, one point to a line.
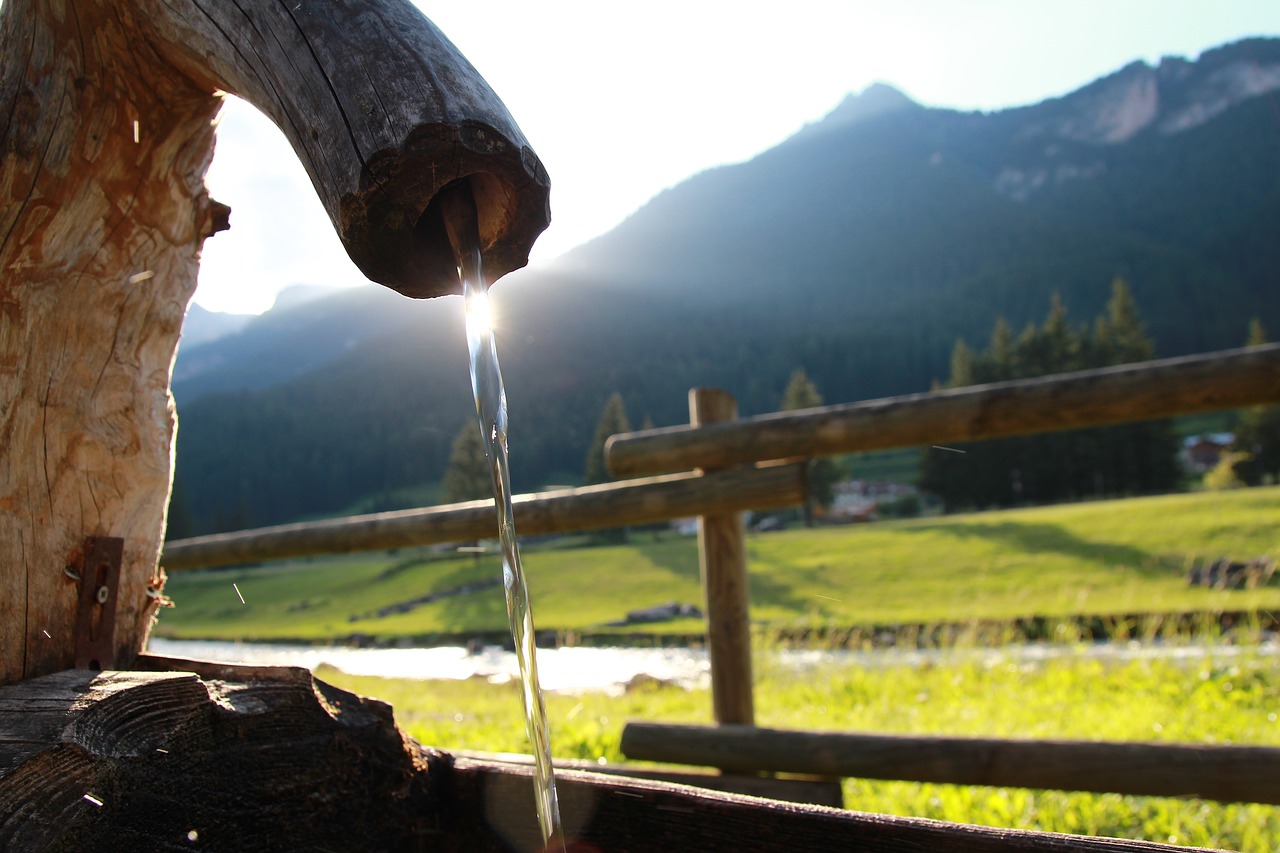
491	411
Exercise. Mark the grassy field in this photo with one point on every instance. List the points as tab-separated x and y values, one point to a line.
1107	557
1095	558
1210	701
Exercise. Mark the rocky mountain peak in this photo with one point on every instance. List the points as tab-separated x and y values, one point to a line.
876	100
1171	97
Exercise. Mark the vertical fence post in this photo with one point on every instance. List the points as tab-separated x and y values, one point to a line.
722	554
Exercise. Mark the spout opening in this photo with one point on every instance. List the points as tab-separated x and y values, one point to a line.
393	230
494	212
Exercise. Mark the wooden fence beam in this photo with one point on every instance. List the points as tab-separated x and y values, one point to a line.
1244	774
722	556
592	507
1155	389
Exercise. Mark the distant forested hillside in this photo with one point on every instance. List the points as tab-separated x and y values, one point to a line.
859	250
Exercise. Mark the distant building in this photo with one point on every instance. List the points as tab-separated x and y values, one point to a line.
685	526
1200	453
859	500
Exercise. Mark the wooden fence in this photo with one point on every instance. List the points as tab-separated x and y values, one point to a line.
731	465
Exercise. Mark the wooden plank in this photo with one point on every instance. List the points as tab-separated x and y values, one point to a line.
591	507
1247	774
722	557
793	789
641	816
1157	389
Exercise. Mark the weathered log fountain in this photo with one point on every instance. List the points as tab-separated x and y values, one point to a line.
107	131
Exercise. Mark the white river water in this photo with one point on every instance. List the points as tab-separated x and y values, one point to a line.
610	669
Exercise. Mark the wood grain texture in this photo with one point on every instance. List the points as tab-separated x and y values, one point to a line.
587	508
1158	389
611	814
265	764
722	557
384	112
106	127
101	237
1228	773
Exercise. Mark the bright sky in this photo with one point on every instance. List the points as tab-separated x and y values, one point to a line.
623	99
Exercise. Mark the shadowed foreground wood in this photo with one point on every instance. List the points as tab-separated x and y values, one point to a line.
617	815
173	761
1246	774
267	758
1229	379
811	790
569	510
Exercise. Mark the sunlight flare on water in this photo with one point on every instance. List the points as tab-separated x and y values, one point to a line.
491	414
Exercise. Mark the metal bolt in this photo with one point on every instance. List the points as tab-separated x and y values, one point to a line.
103	592
70	571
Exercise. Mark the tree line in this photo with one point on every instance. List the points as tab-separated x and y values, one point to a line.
1130	459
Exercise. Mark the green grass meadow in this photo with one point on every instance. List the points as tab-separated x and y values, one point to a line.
1094	559
1104	558
1209	701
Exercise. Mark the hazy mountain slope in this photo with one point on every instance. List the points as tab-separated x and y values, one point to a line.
859	249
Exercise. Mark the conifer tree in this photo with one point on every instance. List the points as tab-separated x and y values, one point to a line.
468	477
801	393
613	420
961	364
1131	458
1257	438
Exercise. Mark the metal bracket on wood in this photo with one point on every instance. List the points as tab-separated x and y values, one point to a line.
96	613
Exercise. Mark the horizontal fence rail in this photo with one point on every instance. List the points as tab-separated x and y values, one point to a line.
1245	774
642	501
1229	379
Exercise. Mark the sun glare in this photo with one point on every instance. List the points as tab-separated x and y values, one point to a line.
479	313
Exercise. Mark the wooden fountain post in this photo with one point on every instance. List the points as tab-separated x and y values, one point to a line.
107	131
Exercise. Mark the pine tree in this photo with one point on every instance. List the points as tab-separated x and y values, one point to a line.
468	477
1128	333
1130	458
1257	439
613	420
1257	334
961	364
801	393
1001	349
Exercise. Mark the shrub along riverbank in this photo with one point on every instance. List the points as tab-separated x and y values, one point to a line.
1101	559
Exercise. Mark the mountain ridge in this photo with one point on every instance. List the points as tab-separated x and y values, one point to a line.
859	251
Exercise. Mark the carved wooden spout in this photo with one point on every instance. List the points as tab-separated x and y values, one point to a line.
106	114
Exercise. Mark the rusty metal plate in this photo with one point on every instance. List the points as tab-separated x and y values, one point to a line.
96	613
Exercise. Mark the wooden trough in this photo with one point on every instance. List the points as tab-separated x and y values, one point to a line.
103	211
185	755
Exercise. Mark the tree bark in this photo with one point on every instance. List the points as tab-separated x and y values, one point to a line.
106	114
